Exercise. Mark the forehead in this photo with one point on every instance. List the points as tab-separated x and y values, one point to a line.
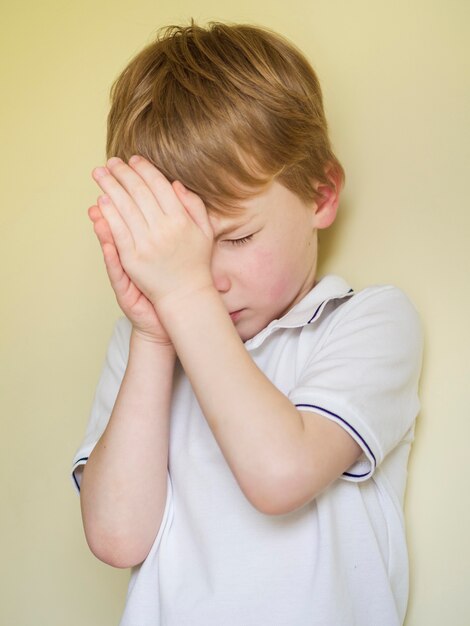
241	213
223	224
275	202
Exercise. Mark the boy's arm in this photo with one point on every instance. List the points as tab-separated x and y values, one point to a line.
280	457
124	483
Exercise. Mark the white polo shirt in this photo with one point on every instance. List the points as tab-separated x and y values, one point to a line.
340	560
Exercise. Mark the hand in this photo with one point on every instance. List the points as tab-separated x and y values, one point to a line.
135	306
161	230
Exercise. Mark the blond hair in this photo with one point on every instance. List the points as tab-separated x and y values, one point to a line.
224	109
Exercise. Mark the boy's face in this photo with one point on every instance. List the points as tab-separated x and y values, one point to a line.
264	259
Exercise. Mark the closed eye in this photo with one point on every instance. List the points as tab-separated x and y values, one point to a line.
241	241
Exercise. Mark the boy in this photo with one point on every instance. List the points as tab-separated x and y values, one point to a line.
247	448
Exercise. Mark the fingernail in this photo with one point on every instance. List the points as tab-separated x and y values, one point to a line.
134	159
99	172
113	161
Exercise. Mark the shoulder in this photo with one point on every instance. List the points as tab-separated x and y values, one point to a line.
379	306
378	329
383	297
379	324
363	370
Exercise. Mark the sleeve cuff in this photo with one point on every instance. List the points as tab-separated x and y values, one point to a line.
365	466
76	476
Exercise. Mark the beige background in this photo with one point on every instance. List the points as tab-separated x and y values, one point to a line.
396	83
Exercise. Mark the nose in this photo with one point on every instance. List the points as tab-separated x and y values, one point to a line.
220	275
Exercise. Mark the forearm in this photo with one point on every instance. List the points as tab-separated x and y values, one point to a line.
124	483
259	431
165	239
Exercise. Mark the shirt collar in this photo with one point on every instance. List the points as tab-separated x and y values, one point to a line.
308	310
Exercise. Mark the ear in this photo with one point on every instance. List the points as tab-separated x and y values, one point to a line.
326	205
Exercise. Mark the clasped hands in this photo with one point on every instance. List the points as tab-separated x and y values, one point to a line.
156	239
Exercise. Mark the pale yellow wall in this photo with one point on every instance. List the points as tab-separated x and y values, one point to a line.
396	83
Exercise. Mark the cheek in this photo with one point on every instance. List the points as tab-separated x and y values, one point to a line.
280	287
269	275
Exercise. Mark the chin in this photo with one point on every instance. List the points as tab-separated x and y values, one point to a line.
248	331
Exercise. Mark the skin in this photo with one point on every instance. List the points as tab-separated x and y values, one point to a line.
264	262
166	256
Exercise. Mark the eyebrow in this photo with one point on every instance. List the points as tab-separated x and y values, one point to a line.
234	226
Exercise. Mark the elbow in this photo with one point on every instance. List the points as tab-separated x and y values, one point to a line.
280	491
278	503
271	507
118	551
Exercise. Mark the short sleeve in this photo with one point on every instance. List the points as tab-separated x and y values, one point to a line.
364	373
105	396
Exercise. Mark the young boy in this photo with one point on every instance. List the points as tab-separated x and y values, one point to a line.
247	448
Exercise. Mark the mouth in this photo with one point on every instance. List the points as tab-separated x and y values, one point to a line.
234	315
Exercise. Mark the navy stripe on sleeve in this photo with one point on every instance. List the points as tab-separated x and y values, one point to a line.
77	463
320	408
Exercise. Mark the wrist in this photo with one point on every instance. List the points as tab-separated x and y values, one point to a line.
145	338
191	319
181	302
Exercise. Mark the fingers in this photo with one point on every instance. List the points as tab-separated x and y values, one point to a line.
119	280
152	194
115	229
94	213
130	212
105	238
195	207
142	195
154	227
100	225
139	191
159	185
117	277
